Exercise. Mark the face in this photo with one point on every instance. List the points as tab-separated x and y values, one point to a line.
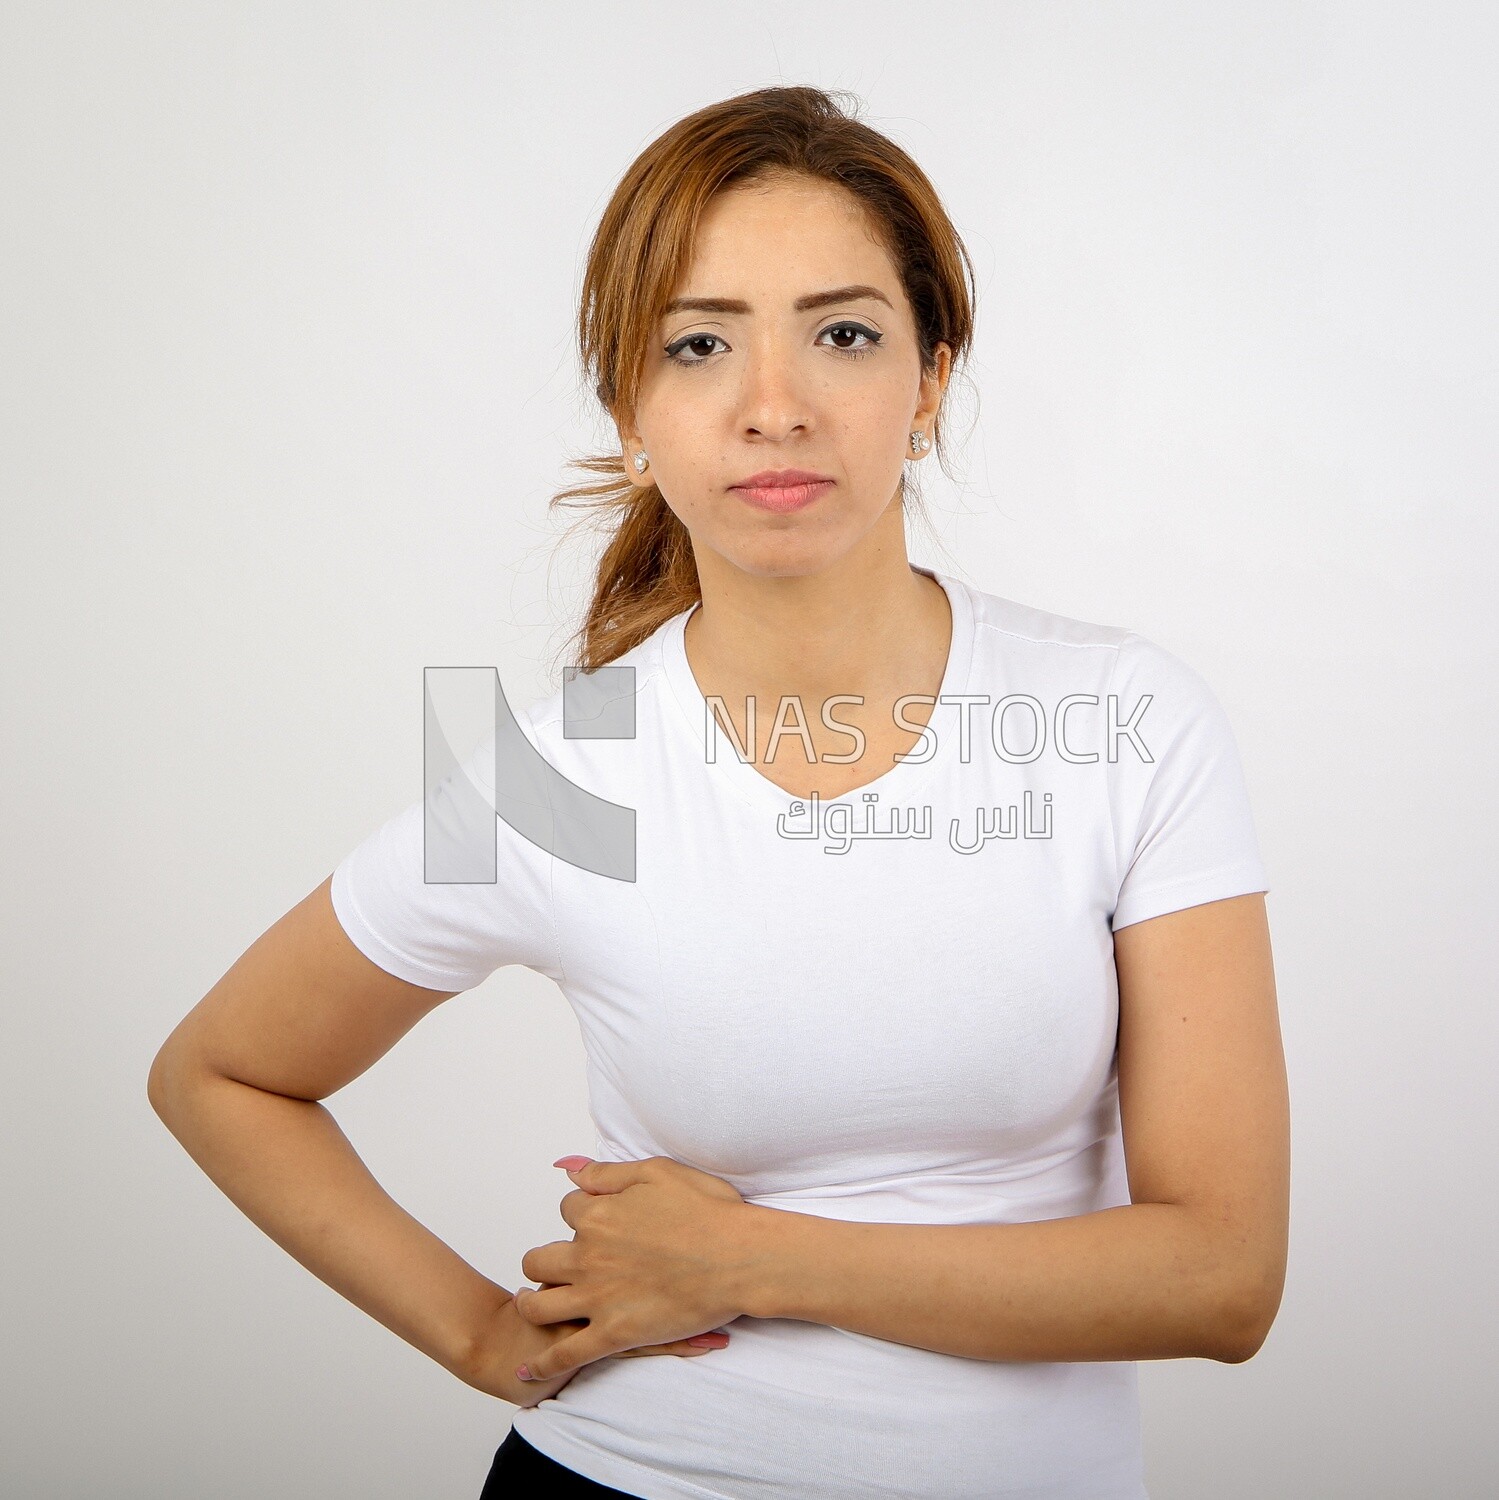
834	389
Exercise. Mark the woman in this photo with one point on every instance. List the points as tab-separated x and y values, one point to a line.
870	1018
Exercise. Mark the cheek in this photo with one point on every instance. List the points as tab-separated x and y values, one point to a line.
872	437
684	456
876	410
692	488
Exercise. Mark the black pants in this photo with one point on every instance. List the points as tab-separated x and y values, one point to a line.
521	1472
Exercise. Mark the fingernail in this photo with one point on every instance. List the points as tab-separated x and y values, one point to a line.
523	1372
572	1163
710	1341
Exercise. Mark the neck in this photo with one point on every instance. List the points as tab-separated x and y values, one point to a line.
870	626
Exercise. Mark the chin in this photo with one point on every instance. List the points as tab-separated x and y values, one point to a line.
783	557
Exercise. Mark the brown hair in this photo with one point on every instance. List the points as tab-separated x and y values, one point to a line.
641	251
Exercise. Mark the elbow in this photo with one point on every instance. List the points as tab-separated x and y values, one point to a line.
1248	1321
156	1085
164	1083
1238	1345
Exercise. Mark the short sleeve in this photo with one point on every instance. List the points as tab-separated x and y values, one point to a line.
1183	830
447	935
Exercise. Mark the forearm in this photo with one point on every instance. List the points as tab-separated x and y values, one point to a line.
286	1164
1141	1281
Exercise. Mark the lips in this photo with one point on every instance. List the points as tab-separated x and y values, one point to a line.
771	479
782	490
783	497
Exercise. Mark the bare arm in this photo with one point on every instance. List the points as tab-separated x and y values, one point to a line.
1192	1267
301	1014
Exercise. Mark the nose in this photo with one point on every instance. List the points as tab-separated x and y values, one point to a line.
773	400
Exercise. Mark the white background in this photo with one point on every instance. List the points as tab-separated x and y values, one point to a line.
286	381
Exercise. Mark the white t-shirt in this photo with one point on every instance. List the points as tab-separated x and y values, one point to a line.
911	1028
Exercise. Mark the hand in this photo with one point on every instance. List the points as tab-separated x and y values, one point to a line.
648	1261
510	1340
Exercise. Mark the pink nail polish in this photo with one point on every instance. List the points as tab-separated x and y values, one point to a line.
523	1372
572	1163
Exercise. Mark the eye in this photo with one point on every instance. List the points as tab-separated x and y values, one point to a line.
857	328
675	352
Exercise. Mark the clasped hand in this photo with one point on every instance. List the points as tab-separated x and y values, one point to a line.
647	1263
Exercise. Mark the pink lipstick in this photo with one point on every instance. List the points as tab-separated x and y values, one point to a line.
782	490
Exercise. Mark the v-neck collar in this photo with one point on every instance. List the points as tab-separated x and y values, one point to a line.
758	789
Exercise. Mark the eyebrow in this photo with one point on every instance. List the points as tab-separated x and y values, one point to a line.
802	304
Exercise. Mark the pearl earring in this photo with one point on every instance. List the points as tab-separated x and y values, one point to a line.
920	442
640	462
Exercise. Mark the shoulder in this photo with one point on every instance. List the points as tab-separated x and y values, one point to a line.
585	698
1022	649
1008	622
600	730
1027	626
1147	702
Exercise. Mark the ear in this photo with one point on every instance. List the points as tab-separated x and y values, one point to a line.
631	443
933	384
